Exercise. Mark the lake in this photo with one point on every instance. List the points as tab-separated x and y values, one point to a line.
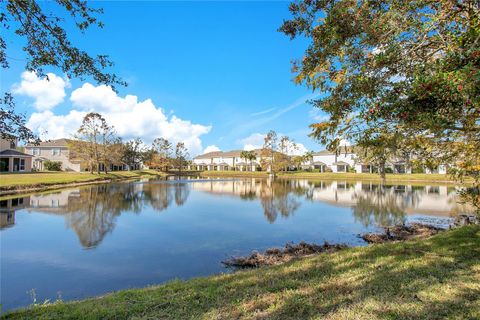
81	242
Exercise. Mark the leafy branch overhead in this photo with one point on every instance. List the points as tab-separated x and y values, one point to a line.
402	70
46	44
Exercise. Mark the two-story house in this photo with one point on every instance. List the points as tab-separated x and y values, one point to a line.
53	150
12	160
341	161
229	160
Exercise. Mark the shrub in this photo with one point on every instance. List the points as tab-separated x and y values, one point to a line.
418	169
52	165
388	170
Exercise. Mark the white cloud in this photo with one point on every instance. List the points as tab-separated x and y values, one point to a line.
46	93
211	148
318	115
256	140
344	143
130	117
253	141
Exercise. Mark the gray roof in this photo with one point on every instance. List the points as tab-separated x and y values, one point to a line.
51	143
323	153
340	163
340	150
319	163
209	155
15	153
224	154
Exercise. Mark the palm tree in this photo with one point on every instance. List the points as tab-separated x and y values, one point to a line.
251	156
244	155
308	156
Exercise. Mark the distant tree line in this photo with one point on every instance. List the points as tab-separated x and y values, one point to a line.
97	144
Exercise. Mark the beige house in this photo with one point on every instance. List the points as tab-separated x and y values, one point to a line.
53	150
12	160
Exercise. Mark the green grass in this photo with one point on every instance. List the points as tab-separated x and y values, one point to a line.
369	176
333	176
435	278
40	179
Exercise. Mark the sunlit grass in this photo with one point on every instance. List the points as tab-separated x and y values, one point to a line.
333	176
51	178
435	278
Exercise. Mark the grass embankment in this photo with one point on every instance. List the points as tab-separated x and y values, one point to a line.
20	182
434	278
333	176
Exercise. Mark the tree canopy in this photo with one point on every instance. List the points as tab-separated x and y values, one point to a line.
47	45
395	69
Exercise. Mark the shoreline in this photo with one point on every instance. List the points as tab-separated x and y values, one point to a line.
353	283
26	188
422	178
21	189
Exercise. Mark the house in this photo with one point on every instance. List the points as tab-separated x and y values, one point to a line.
341	161
229	160
12	160
59	150
53	150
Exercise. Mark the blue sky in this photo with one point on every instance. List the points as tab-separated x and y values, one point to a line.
220	65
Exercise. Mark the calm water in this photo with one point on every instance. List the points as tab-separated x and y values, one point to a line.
88	241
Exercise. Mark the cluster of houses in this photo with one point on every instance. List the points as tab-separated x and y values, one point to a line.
346	160
35	156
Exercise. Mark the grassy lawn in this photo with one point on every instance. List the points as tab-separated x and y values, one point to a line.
332	176
38	179
368	176
435	278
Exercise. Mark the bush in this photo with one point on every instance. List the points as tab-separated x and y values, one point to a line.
388	170
52	165
418	169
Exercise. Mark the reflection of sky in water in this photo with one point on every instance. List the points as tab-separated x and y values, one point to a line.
91	240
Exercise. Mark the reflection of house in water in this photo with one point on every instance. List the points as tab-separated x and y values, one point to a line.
276	197
8	208
91	212
435	200
386	203
53	202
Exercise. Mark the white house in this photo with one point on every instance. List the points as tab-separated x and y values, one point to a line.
344	160
229	160
341	161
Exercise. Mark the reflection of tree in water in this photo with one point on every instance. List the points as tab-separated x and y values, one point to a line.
93	213
382	206
181	193
279	196
161	195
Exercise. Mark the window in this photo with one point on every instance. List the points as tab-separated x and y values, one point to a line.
55	151
22	165
12	145
36	151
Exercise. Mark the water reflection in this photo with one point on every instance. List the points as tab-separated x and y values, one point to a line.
91	212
